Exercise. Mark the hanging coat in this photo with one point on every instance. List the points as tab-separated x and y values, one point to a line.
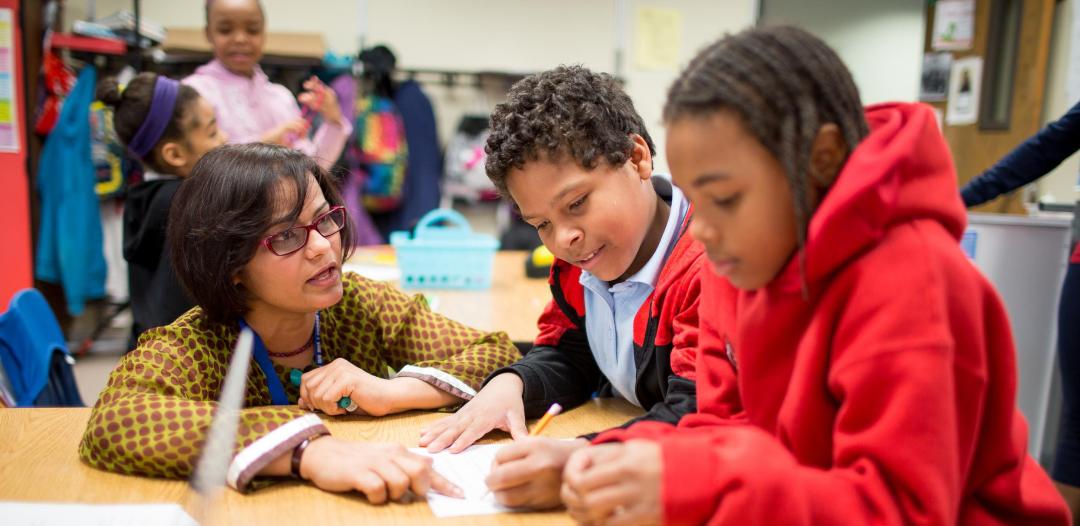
69	250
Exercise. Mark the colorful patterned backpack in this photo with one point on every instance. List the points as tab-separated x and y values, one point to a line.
379	152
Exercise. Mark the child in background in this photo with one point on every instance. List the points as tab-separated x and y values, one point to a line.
1032	159
168	127
876	369
249	107
570	150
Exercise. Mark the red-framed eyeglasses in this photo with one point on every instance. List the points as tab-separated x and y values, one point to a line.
295	238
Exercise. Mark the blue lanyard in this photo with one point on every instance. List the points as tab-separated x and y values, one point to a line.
273	383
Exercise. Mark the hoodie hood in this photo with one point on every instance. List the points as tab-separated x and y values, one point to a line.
902	171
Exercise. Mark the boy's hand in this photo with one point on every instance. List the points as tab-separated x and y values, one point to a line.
322	388
319	97
380	471
528	473
497	406
614	484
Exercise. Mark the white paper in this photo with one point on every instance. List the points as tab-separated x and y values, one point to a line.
63	514
954	24
965	83
467	470
657	39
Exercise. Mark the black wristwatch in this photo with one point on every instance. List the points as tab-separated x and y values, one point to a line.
298	453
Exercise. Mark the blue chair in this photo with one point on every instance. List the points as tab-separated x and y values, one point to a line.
34	355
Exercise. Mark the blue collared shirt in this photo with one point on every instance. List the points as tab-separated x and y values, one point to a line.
610	309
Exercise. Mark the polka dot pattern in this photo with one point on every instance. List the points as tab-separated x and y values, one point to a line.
159	400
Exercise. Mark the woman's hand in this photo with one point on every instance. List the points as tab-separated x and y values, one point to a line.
614	484
528	473
319	97
322	388
380	471
497	406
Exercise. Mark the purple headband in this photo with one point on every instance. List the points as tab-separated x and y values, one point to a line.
157	118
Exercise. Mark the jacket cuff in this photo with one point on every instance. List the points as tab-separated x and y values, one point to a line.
330	133
647	430
688	490
440	379
329	141
534	397
512	368
252	459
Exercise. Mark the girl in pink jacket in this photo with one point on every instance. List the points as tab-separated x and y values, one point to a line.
249	107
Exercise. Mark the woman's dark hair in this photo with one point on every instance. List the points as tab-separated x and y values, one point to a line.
222	211
567	113
131	105
784	83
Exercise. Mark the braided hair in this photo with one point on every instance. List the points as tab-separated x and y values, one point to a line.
785	84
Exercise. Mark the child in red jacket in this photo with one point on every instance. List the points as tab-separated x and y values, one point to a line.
876	370
571	152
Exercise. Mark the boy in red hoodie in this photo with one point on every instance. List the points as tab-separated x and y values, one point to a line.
876	370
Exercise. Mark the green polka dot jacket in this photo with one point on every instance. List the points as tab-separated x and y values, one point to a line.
158	403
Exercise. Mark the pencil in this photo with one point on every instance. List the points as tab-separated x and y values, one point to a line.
546	419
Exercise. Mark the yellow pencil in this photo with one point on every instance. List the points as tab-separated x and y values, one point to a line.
546	419
537	429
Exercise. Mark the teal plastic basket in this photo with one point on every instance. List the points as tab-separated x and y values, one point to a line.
444	257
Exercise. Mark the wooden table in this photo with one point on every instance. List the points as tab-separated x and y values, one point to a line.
39	462
512	304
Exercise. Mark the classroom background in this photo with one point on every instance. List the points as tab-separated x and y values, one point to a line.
996	71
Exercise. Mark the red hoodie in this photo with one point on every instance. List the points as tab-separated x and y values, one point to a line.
888	396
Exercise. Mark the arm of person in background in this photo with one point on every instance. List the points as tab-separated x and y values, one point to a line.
329	139
1033	159
440	362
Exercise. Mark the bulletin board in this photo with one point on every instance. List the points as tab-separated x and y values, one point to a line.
16	271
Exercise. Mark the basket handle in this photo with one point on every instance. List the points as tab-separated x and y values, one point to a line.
427	222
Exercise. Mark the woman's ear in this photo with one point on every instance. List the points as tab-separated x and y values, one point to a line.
827	156
641	157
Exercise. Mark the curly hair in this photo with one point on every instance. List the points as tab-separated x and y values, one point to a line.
567	113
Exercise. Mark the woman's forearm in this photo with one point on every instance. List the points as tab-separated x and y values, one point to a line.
405	393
